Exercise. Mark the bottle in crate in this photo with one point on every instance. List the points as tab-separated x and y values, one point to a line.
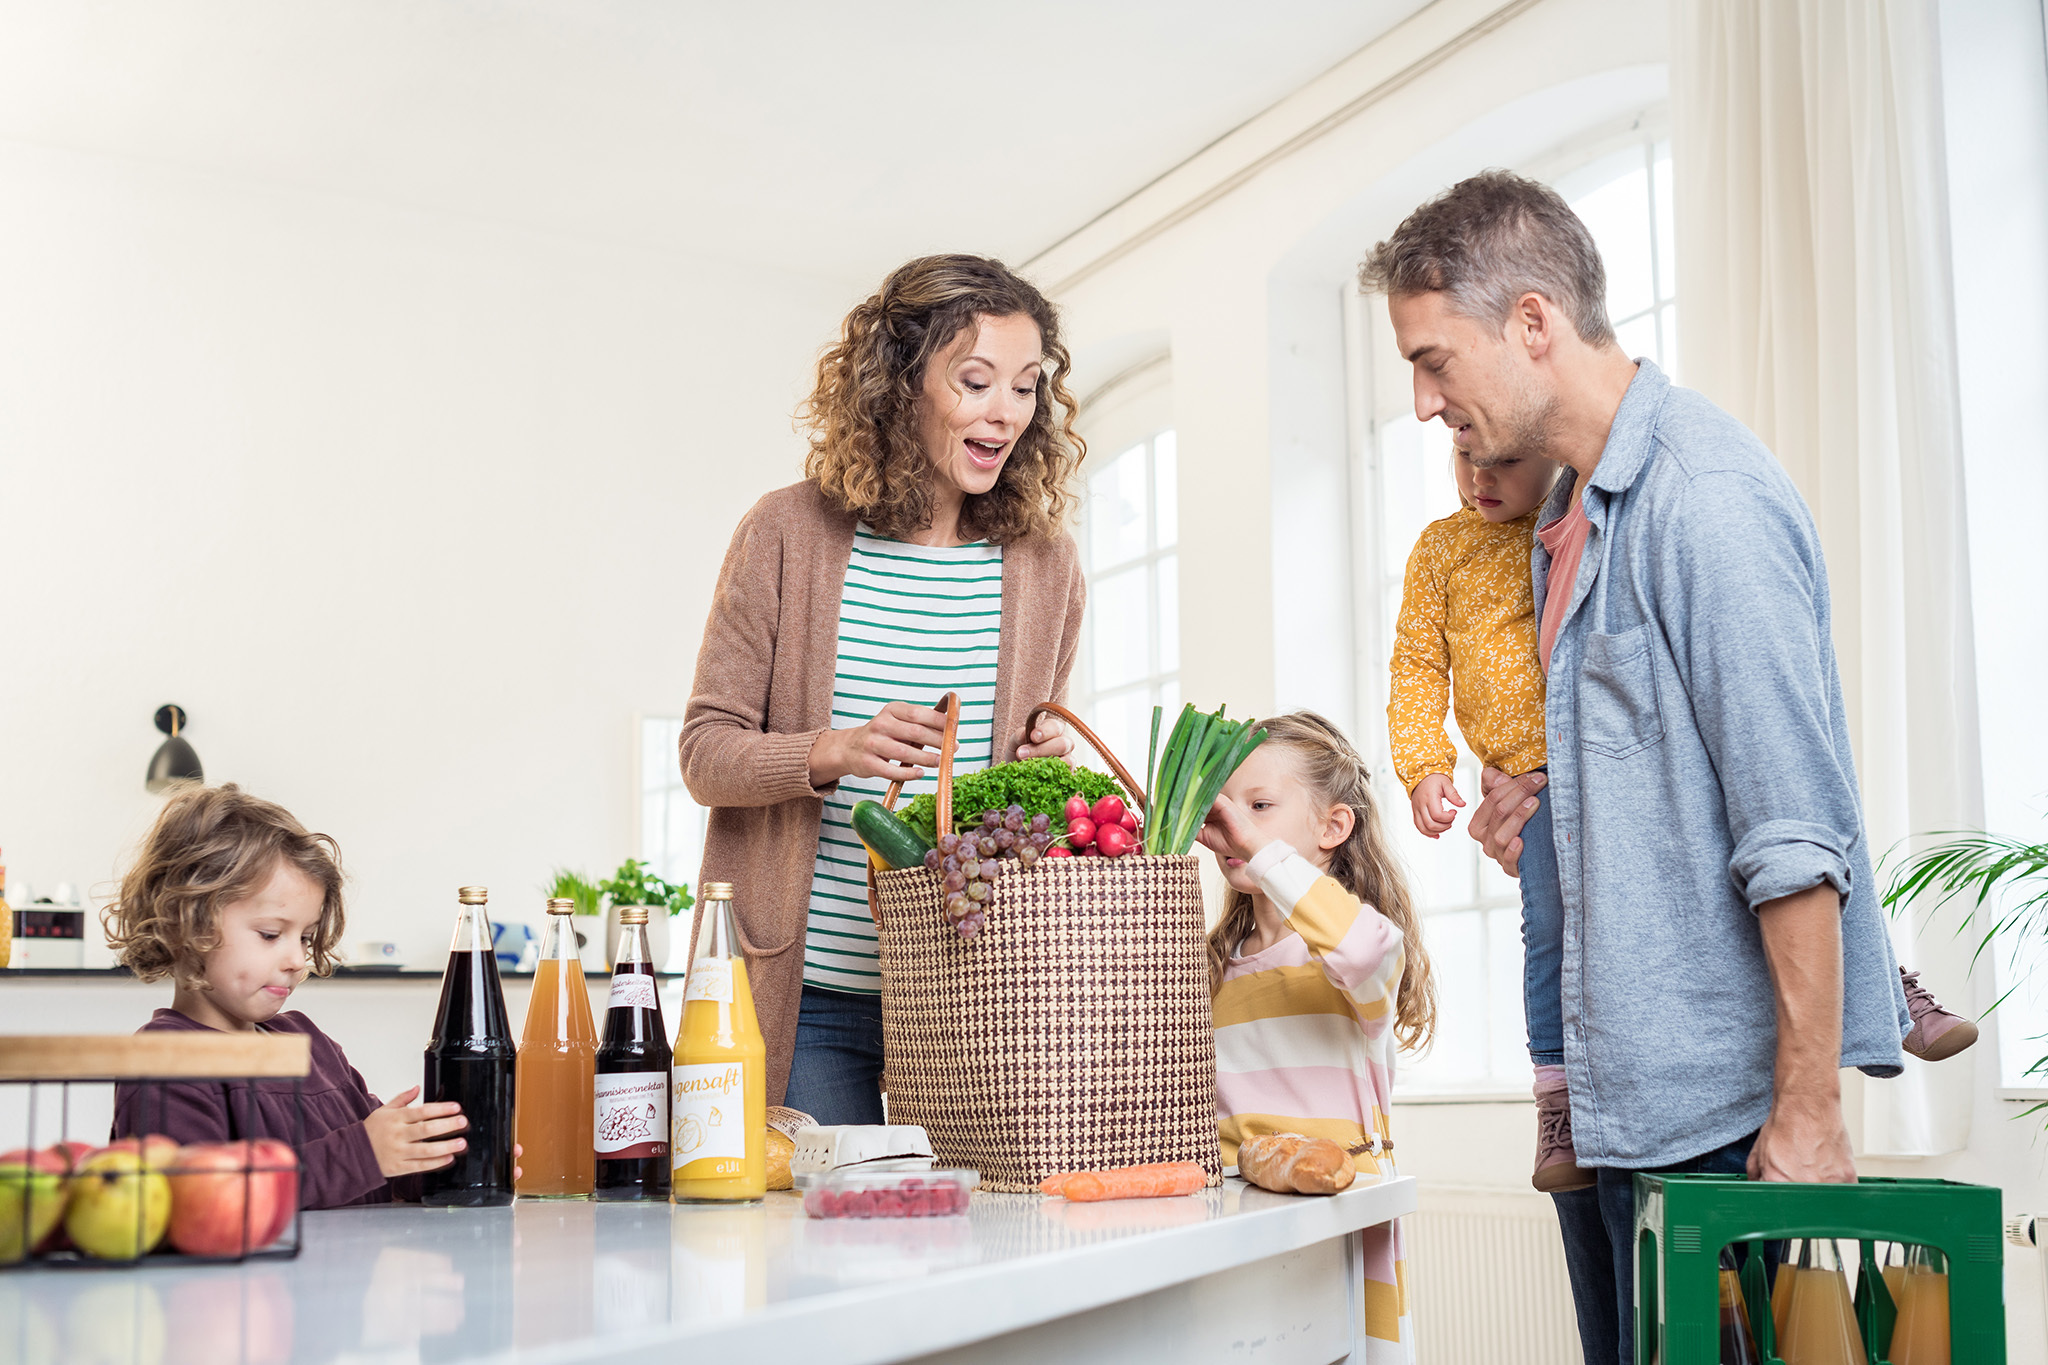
718	1108
472	1061
630	1124
557	1066
1920	1336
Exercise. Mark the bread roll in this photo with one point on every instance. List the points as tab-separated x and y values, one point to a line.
1289	1163
783	1125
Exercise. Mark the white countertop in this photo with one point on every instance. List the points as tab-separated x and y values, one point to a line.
575	1281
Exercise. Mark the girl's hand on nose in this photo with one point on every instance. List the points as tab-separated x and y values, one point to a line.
1229	832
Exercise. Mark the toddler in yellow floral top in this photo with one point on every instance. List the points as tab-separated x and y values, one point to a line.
1467	638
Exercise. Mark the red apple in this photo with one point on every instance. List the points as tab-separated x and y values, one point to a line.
72	1154
230	1198
158	1152
32	1200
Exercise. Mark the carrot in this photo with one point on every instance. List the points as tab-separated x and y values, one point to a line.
1053	1184
1135	1182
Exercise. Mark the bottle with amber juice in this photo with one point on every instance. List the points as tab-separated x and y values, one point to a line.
557	1070
631	1120
471	1060
718	1102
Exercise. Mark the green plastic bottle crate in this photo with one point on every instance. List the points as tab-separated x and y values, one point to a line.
1683	1221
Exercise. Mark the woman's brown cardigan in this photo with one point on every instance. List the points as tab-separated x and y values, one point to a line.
763	695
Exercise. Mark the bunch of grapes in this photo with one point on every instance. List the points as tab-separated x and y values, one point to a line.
968	864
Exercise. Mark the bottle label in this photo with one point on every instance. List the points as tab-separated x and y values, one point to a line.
709	1112
632	1115
710	979
632	990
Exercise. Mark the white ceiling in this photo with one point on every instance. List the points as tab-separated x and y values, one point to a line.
830	138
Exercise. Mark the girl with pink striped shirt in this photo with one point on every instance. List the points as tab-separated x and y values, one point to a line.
1318	972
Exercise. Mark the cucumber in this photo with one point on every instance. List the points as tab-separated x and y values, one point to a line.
892	842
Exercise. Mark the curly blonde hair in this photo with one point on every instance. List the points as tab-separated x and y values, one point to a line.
212	846
866	450
1364	864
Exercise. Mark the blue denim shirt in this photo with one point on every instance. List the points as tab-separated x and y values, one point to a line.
1699	766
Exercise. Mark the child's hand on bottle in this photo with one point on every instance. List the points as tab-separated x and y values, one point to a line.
409	1138
1230	833
1432	800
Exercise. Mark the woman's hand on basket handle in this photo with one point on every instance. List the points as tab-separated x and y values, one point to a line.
896	746
1230	833
1048	739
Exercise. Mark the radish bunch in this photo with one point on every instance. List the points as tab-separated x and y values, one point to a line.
1107	829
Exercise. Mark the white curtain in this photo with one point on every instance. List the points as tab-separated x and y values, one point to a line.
1813	258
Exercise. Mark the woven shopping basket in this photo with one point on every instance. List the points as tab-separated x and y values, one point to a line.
1073	1032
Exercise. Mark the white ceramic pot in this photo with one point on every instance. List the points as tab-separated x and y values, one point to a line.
657	936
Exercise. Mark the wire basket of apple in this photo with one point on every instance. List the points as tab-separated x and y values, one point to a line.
144	1198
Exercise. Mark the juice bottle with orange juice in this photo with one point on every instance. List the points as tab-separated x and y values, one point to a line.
718	1107
558	1071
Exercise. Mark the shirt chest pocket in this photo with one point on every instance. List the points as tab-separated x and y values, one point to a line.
1618	713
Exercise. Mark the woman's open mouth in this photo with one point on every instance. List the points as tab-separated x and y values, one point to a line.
985	454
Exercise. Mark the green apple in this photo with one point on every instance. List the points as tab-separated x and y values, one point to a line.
31	1201
119	1206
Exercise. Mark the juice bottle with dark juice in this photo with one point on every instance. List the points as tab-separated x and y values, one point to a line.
631	1120
557	1065
471	1060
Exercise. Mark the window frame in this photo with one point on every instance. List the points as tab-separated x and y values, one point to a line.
1133	408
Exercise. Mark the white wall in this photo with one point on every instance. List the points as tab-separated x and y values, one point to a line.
412	512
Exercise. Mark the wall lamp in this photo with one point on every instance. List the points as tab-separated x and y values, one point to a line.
175	759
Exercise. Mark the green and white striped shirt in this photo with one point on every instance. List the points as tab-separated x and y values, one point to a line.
915	622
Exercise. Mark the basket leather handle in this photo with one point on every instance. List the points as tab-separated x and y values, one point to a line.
1053	708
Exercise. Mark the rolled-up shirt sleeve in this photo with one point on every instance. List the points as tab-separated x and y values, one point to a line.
1748	577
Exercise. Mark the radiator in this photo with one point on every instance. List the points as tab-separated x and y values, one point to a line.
1486	1279
2029	1230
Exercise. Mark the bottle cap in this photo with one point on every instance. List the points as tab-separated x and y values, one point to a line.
561	906
632	914
718	891
473	895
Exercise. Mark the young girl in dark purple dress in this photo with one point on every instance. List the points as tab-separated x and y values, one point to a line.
234	900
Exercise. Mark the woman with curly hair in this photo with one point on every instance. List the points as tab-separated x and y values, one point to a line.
925	552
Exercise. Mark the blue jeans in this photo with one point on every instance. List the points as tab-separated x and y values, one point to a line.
1599	1228
836	1075
1542	938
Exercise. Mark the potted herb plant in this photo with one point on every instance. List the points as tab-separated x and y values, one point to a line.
636	884
589	898
1981	863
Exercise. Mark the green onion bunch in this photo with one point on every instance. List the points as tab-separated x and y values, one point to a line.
1185	778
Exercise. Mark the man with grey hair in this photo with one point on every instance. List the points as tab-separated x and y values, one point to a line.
1723	950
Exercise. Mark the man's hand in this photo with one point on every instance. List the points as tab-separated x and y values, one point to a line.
1431	803
1497	821
892	746
403	1134
1804	1138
